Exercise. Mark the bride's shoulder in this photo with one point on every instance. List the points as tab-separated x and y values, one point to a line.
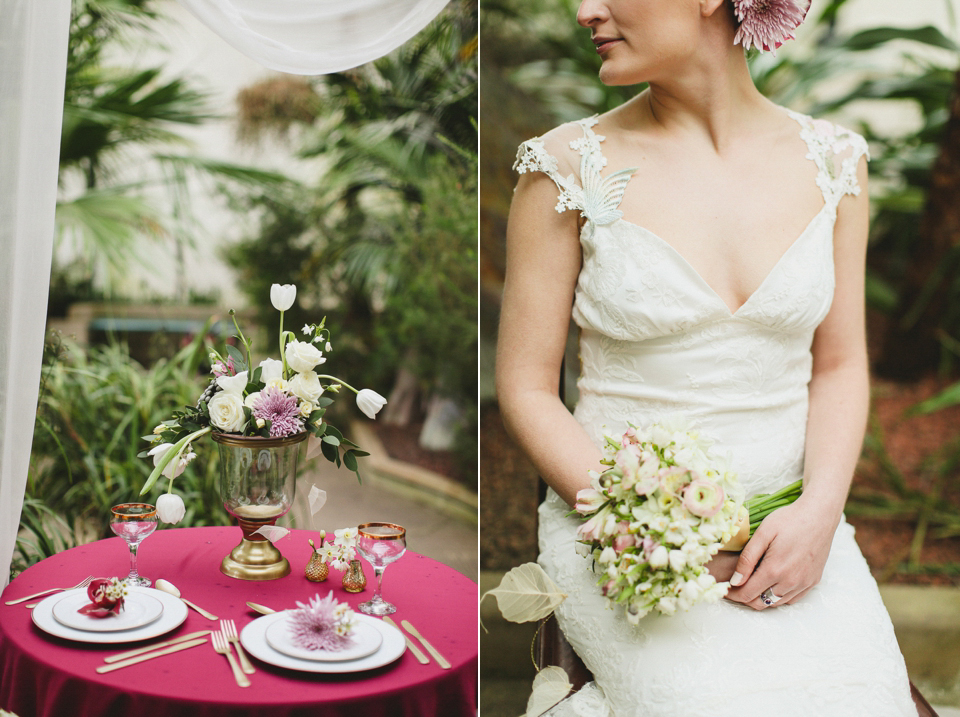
829	138
557	151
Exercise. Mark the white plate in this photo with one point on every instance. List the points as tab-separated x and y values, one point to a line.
139	609
366	640
174	613
254	640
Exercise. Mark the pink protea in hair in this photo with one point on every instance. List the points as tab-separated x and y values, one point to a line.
767	24
322	624
281	410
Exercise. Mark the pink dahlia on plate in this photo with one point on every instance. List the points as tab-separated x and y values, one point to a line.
322	624
767	24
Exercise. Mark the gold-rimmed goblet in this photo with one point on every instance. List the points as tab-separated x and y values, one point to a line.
133	522
380	544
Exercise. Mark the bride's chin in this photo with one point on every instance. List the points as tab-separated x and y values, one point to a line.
613	76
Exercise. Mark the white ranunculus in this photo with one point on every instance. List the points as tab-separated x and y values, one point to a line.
270	369
226	412
170	508
306	385
282	296
303	356
233	384
306	408
370	402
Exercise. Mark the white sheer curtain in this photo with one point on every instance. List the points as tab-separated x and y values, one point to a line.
315	37
33	56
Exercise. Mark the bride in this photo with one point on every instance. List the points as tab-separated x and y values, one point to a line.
712	247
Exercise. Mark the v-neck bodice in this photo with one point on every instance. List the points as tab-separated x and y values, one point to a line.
655	336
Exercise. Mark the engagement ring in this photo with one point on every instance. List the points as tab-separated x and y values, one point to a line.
768	598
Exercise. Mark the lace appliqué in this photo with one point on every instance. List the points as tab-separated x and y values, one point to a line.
836	151
599	197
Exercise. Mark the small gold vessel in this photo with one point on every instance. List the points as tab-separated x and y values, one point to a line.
354	581
316	570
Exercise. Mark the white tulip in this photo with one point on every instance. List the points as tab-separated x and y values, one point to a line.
370	402
170	508
282	296
173	468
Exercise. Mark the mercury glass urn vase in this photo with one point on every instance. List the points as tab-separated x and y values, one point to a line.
258	480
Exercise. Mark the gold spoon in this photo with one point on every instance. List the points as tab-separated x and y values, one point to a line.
168	587
262	609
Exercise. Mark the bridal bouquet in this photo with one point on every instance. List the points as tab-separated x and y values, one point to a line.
659	513
275	399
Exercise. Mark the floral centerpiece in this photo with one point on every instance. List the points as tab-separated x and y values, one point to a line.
659	513
258	416
276	399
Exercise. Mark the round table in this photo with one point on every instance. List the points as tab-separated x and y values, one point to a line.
46	676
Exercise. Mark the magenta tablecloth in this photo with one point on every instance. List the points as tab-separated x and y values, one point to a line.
50	677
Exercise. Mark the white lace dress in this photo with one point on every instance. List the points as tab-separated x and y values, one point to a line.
656	340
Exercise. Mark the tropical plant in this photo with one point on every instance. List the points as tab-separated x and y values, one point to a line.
394	211
114	118
94	408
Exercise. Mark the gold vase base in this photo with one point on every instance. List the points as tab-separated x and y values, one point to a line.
255	560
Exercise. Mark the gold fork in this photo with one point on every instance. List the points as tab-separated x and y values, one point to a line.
221	646
82	584
229	630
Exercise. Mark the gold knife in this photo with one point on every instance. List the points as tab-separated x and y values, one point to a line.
413	648
151	648
151	655
430	648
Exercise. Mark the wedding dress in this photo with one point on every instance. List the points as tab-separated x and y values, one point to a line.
656	341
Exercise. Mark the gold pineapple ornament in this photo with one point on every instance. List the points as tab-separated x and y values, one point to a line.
316	569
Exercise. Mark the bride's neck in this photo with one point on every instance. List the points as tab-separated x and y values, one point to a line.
715	99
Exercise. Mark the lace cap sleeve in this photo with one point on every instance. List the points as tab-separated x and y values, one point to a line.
837	152
532	156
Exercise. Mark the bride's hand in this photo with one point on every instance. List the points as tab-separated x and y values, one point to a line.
722	565
786	554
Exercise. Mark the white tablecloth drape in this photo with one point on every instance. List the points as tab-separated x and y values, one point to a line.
315	37
33	59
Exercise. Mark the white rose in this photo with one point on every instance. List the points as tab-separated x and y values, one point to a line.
271	369
303	356
170	508
226	412
233	384
306	408
249	400
306	385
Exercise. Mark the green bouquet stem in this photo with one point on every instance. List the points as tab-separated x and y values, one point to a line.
760	506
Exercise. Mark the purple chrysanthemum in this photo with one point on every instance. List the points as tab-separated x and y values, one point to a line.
322	624
767	24
281	410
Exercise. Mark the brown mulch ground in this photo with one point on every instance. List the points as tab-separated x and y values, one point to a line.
401	442
916	446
